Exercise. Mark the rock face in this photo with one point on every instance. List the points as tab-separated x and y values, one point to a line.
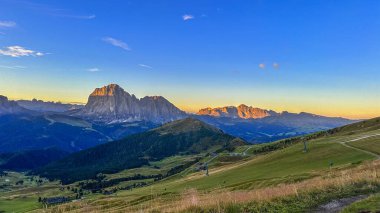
242	111
113	104
10	107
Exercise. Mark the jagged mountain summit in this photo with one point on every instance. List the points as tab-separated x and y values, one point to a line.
112	104
10	107
241	111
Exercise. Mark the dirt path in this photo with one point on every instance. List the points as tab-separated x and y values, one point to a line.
336	206
345	143
245	151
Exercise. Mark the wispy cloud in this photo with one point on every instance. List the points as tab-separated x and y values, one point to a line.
276	65
7	24
76	16
262	66
187	17
94	69
54	11
18	51
15	67
145	66
116	43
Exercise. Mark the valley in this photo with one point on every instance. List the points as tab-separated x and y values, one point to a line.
262	175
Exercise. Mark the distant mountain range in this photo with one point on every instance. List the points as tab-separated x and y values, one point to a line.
260	125
274	127
41	106
10	107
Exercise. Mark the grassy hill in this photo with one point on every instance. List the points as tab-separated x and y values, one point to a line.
187	136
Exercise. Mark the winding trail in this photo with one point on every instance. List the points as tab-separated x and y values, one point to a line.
345	143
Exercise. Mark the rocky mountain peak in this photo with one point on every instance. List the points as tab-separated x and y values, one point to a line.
113	104
243	106
242	111
109	90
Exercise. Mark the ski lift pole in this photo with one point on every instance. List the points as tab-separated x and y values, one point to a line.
304	146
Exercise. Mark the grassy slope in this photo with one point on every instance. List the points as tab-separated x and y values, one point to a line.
19	205
370	144
285	165
155	167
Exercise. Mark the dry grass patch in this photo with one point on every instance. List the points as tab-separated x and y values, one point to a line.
191	198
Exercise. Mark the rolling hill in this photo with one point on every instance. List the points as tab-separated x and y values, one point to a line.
187	136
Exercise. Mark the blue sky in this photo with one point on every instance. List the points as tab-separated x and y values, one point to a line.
315	56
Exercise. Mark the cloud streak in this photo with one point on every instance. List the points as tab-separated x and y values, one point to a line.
145	66
7	24
15	67
116	43
54	11
262	66
18	51
187	17
94	69
86	17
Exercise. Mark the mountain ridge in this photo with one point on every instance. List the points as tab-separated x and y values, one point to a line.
47	106
11	107
185	136
242	111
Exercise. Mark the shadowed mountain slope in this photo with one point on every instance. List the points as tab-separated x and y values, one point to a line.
187	136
